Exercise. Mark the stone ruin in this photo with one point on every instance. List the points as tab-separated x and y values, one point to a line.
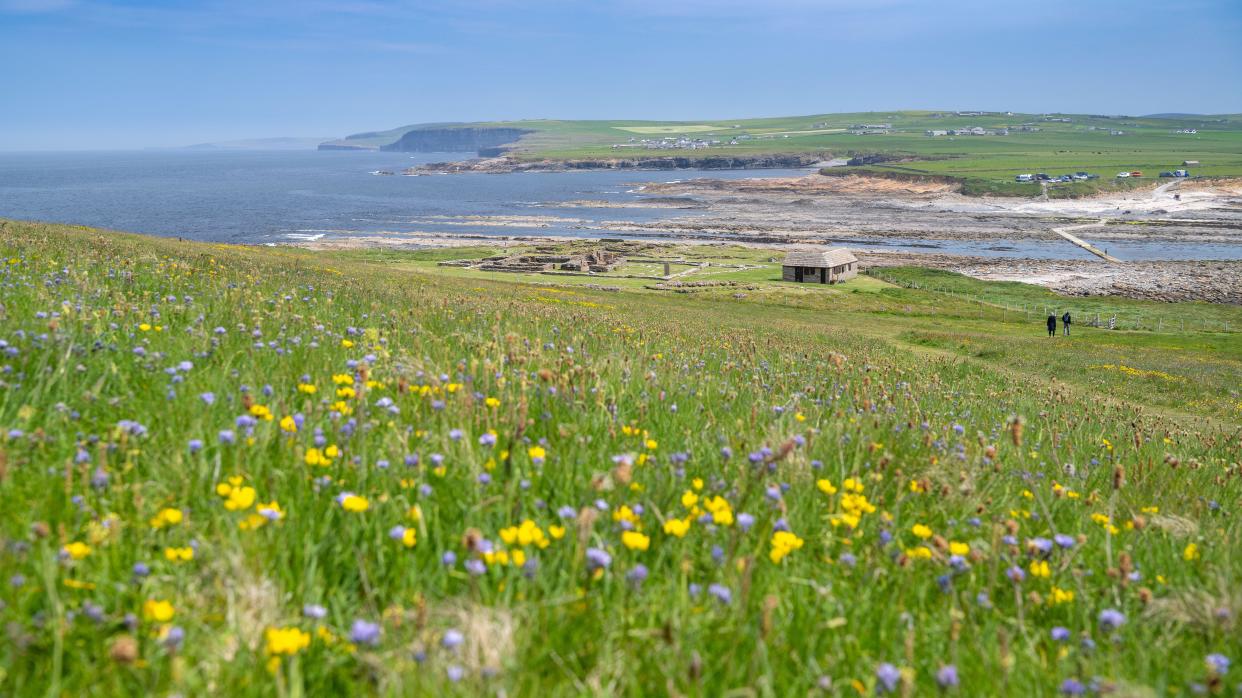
593	261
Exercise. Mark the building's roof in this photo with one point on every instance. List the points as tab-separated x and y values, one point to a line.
833	257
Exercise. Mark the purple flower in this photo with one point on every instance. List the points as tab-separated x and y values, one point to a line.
396	532
597	559
1064	541
1111	619
721	593
455	434
487	439
452	639
314	611
1015	574
364	632
638	575
208	398
947	676
475	566
1060	634
887	677
1217	664
455	673
1072	687
173	638
848	559
1042	545
227	436
449	558
745	521
567	512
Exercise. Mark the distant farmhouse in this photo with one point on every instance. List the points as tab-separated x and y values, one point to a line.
871	129
823	266
968	131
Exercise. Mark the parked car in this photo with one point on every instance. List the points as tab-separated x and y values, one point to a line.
1167	174
1093	176
1081	176
1122	174
1024	178
1043	177
1180	173
1136	173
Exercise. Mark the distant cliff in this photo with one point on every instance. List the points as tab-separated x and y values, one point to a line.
456	140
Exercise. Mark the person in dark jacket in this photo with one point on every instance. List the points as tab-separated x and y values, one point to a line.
1065	322
1052	325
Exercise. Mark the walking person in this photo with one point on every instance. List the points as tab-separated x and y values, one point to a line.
1065	322
1052	325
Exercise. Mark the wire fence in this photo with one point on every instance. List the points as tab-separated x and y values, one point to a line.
1089	313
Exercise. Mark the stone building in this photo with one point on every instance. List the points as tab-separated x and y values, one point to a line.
822	266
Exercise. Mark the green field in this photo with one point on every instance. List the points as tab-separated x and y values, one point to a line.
986	164
264	471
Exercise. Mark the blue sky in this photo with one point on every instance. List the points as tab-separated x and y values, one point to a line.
130	73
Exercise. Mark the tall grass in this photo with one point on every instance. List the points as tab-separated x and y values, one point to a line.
255	472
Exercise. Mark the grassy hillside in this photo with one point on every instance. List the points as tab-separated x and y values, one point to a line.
1084	143
262	471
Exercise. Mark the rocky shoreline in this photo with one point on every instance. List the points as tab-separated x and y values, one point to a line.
506	164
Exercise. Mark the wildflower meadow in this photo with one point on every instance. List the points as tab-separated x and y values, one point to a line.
256	471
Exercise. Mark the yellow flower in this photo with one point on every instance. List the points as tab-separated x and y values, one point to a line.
956	548
287	424
287	641
635	540
852	485
161	611
179	554
677	527
346	392
347	343
166	517
1059	596
492	402
409	537
77	550
261	412
1191	552
826	487
652	444
343	379
921	531
1039	568
355	504
239	498
307	388
557	532
850	521
689	499
536	453
783	543
921	552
